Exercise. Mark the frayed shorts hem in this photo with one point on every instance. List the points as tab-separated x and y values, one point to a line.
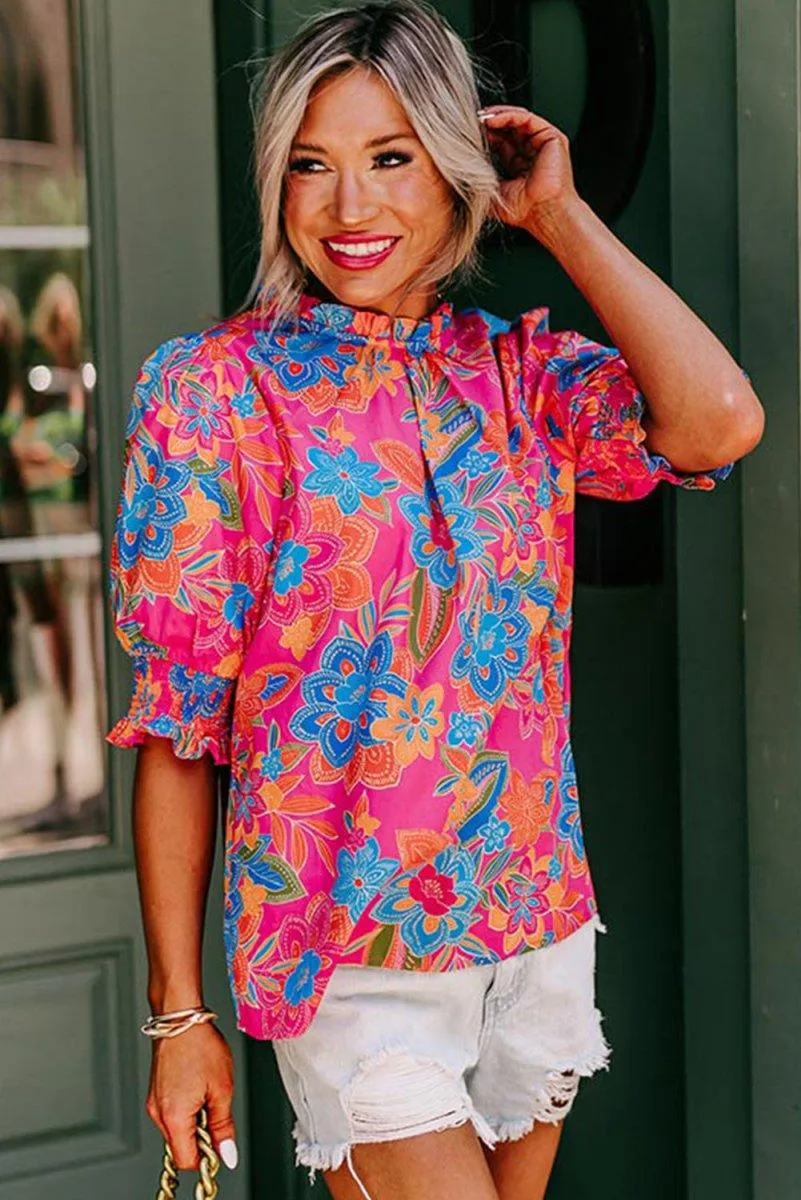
316	1157
551	1109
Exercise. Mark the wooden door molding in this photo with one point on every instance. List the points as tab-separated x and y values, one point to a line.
769	94
709	585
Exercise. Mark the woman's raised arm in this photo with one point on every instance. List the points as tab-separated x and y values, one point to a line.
701	410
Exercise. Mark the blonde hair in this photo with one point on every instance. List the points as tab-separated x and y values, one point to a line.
426	65
57	299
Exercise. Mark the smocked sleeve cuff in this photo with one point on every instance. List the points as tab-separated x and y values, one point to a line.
698	481
190	709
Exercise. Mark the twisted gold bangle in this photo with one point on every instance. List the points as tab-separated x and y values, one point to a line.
206	1187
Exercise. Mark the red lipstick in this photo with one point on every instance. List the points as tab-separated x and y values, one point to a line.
359	251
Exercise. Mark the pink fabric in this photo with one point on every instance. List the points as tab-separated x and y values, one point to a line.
344	559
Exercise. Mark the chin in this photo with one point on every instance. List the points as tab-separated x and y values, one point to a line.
365	292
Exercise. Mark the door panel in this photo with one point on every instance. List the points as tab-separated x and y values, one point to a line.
72	962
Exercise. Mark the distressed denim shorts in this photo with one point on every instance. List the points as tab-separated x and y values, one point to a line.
393	1054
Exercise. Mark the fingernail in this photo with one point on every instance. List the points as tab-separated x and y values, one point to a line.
229	1153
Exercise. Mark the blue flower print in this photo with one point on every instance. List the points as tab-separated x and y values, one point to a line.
234	902
176	353
494	834
344	698
528	899
270	764
479	462
432	905
464	729
152	505
576	368
200	695
202	413
299	984
234	905
334	316
289	564
494	642
301	362
361	874
443	531
569	822
342	476
544	497
245	802
237	603
243	403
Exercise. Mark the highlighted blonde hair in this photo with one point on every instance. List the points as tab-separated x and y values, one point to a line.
426	65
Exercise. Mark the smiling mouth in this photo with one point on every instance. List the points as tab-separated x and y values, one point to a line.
359	254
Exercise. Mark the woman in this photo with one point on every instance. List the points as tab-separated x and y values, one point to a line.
343	565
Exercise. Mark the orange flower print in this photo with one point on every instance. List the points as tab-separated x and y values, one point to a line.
526	807
413	723
298	637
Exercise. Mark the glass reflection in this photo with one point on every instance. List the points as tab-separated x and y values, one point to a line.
52	687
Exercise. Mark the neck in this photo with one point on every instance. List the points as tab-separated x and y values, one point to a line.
415	306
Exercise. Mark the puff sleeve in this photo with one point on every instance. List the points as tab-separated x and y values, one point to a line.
581	398
192	543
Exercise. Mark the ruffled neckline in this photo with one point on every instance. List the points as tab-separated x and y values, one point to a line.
360	325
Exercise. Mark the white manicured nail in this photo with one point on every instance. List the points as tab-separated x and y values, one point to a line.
229	1153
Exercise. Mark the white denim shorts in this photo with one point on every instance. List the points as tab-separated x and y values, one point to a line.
393	1054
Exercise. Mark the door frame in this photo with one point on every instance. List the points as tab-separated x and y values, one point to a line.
769	99
705	254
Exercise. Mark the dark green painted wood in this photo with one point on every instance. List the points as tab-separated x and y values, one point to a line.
768	126
241	36
710	651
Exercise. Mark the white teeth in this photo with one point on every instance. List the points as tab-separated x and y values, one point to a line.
362	249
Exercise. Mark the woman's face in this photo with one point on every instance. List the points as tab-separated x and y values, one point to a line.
365	208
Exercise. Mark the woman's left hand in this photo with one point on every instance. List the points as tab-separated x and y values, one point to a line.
534	161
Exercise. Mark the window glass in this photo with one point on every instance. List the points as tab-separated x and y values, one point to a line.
52	682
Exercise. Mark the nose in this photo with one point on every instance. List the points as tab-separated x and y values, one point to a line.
353	203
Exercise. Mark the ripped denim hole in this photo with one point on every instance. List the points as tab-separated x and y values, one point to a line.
396	1096
561	1092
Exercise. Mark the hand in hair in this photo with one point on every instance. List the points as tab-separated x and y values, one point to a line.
533	160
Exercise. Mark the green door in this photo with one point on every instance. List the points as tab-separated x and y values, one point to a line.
657	643
115	100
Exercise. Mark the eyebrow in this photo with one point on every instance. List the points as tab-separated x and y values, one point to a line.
385	139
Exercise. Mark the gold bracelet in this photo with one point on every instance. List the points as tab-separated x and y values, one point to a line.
170	1025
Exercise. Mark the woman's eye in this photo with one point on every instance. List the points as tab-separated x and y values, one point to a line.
306	166
392	158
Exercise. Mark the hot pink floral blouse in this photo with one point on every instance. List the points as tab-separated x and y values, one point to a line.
343	564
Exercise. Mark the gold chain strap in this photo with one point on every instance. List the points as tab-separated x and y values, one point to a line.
206	1187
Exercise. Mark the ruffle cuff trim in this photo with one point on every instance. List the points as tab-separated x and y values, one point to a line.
187	742
698	481
192	710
